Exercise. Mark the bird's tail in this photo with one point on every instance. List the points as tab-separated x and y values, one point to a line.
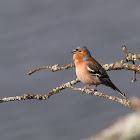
122	93
109	83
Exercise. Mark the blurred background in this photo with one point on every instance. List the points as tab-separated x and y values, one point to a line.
37	33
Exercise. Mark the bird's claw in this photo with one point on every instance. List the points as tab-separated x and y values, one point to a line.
86	87
124	96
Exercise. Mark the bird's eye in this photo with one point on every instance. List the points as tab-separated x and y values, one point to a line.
79	50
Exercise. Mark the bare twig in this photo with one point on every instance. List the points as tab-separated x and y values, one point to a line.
130	56
119	66
134	74
125	102
54	68
38	96
113	66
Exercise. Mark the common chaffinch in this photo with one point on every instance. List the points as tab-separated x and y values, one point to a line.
89	71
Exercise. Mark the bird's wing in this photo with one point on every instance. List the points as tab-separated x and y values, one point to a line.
97	70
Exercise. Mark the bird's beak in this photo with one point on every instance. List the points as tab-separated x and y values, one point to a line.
73	51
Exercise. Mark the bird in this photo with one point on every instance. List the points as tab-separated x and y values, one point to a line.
89	71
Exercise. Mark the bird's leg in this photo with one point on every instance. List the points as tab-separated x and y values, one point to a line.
86	87
94	89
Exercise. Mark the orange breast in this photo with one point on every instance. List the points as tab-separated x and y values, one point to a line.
84	75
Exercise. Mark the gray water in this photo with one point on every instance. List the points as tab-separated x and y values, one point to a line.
43	32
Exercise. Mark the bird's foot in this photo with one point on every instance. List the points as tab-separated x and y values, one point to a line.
94	89
86	87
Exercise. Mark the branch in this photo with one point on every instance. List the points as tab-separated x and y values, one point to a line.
130	56
113	66
38	96
125	102
120	65
54	68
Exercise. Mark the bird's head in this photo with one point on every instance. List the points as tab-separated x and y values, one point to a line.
81	53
